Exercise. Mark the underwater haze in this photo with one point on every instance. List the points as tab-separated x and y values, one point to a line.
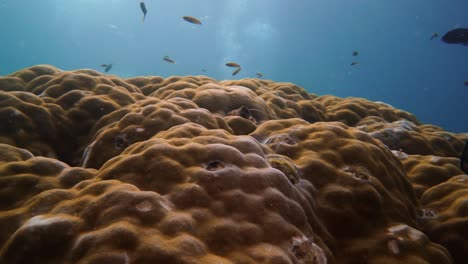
307	42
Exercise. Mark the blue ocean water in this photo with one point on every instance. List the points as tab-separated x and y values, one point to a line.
307	42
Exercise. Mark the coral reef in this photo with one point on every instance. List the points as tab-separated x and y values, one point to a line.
428	171
410	138
446	215
353	110
99	169
33	124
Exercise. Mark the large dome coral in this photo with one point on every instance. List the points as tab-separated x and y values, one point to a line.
99	169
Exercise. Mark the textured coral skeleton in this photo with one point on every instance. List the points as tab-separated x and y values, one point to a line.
99	169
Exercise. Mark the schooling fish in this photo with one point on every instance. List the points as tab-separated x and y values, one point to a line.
192	20
166	58
233	64
355	53
435	35
259	75
456	36
464	159
107	67
143	9
236	71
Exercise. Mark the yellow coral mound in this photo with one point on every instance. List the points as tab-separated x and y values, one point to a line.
99	169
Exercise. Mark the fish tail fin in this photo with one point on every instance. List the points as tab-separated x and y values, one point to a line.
143	19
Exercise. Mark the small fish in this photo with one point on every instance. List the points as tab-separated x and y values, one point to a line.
166	58
456	36
236	71
259	75
435	35
466	83
355	53
192	20
203	70
354	63
233	64
143	9
464	159
107	67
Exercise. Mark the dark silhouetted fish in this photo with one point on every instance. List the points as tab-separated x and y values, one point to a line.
466	83
354	63
203	70
192	20
259	75
355	53
233	64
236	71
435	35
107	67
166	58
143	9
464	159
456	36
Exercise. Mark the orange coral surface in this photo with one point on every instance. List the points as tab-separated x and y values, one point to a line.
99	169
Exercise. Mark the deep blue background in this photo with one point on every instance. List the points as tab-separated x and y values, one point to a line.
307	42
